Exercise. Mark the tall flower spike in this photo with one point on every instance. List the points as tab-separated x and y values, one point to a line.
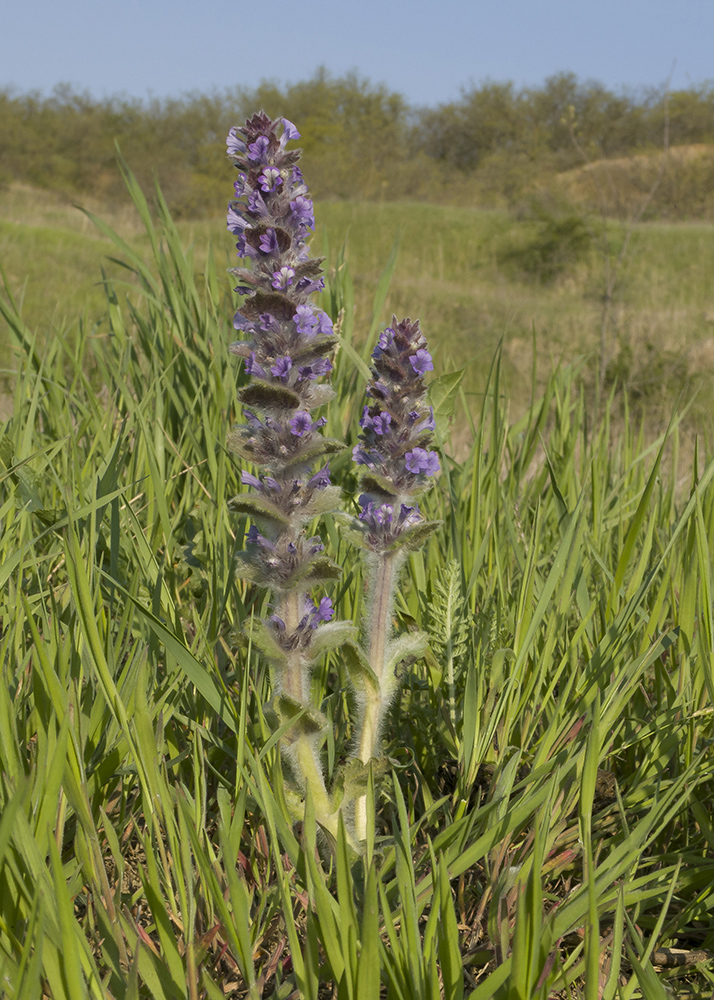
287	346
394	449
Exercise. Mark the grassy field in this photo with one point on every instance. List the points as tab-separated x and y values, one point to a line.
472	276
544	816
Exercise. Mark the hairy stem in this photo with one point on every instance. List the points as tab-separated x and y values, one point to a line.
306	757
379	624
292	681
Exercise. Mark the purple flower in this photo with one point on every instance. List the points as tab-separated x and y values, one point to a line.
278	623
244	250
321	479
369	458
283	278
234	144
316	370
428	424
421	362
409	516
305	320
324	324
269	242
256	204
300	424
289	131
321	612
254	537
270	179
386	338
253	368
268	323
258	150
282	366
239	185
302	210
365	420
381	422
248	480
235	223
253	421
307	286
420	460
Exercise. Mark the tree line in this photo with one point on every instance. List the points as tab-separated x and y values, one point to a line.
361	140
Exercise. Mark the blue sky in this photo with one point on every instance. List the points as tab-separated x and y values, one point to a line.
425	51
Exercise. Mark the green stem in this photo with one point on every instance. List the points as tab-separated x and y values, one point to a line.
291	611
379	624
308	764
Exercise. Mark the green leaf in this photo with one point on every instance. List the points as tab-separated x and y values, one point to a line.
265	396
442	395
359	668
414	538
303	721
259	507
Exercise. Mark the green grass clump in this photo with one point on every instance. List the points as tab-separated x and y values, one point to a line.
546	824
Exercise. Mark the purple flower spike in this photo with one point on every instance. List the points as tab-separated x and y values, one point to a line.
422	362
300	424
286	346
283	278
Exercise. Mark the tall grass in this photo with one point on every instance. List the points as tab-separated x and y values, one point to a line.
545	823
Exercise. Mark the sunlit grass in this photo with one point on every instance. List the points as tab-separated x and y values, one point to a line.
452	271
546	825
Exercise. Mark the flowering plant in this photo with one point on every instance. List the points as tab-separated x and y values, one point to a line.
287	354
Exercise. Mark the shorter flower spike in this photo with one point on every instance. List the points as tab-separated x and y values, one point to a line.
396	425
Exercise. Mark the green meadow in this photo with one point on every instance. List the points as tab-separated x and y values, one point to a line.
544	811
475	277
